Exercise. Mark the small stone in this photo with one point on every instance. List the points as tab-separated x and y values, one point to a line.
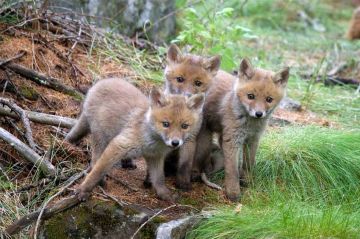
290	104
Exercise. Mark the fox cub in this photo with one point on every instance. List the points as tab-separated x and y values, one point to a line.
187	74
124	123
354	26
238	110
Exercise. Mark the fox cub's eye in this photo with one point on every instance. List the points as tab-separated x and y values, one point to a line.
251	96
269	99
184	126
180	79
198	83
166	124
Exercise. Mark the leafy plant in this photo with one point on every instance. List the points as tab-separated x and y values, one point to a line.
213	33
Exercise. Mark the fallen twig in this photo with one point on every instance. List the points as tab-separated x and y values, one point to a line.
119	202
30	155
73	179
331	80
157	214
47	213
126	185
151	218
21	53
41	79
41	118
25	120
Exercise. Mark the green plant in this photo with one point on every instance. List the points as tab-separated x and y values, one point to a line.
213	32
284	219
310	163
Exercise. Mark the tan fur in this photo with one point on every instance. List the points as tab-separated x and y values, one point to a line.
354	26
125	124
229	112
188	74
196	72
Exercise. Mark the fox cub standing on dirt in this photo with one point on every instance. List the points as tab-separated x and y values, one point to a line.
239	110
149	128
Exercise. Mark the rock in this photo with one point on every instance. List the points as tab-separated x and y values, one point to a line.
129	16
275	121
290	104
177	229
98	219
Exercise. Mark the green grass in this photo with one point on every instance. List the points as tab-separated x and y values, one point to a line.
280	220
310	163
306	184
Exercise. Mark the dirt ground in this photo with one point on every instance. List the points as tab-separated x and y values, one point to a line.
80	72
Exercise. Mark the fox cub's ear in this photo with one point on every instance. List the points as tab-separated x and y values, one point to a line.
282	76
196	102
174	54
157	98
212	64
246	69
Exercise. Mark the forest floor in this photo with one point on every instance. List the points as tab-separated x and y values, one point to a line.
310	53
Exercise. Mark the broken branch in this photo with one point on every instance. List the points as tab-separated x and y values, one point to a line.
29	154
25	120
3	62
50	211
47	211
42	118
41	79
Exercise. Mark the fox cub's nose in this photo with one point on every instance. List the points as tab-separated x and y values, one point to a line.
258	114
175	142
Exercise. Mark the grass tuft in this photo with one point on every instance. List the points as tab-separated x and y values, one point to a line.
282	220
309	162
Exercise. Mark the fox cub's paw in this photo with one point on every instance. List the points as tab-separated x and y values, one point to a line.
166	195
82	194
233	193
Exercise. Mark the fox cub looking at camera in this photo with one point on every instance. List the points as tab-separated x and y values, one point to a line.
238	110
149	128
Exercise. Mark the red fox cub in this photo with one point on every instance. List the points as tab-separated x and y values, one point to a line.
354	26
124	123
238	111
189	74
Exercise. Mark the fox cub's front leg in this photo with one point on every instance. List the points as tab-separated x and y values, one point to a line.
233	156
249	159
116	149
156	177
186	158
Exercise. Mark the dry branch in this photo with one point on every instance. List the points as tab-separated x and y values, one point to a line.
50	211
41	79
29	154
3	62
25	120
47	211
41	118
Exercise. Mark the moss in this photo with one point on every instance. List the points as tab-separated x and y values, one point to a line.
28	92
159	219
102	218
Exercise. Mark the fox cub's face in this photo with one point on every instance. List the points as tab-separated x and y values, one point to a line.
260	91
189	74
175	117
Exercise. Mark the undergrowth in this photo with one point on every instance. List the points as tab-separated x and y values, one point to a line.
305	185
